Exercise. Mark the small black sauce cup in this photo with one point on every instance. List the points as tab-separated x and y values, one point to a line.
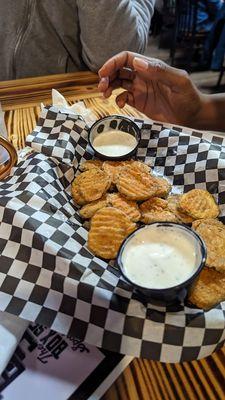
117	122
174	294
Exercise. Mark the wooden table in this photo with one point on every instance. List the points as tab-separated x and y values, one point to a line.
143	379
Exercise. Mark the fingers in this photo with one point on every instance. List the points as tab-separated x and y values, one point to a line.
125	98
119	61
124	80
157	70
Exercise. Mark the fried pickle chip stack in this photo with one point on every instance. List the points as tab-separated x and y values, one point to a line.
116	196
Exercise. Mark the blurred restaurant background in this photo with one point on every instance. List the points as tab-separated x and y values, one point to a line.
190	34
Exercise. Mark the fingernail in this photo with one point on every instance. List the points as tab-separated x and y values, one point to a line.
104	81
140	63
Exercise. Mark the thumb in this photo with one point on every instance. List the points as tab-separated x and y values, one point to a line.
156	70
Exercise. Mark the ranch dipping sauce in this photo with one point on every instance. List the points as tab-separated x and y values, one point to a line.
159	257
114	143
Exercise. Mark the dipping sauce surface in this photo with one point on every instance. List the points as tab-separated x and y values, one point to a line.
159	258
114	143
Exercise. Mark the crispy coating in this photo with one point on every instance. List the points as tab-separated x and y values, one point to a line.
209	289
156	210
135	183
164	187
212	232
90	164
93	184
153	204
112	168
199	204
77	196
109	227
173	206
129	207
88	210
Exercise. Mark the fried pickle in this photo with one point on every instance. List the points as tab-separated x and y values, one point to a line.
164	187
136	183
90	164
199	204
112	168
173	206
156	210
88	210
208	290
109	227
77	196
129	207
212	232
93	184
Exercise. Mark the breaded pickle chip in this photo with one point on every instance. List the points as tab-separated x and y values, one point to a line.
88	210
212	232
199	204
136	183
91	164
156	210
93	184
164	187
109	227
129	207
173	206
208	290
76	194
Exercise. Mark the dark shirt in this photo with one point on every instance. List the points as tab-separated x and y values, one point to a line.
207	12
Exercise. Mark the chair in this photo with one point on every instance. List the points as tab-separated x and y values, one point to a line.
168	18
222	70
185	33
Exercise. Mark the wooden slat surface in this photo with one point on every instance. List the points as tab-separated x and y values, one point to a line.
143	379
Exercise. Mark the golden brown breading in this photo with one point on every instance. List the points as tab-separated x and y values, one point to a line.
140	165
135	183
90	164
199	204
93	184
156	210
112	168
209	289
173	206
109	227
164	187
88	210
129	207
159	216
77	196
212	232
154	204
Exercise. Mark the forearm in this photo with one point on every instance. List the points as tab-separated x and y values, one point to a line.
110	26
211	115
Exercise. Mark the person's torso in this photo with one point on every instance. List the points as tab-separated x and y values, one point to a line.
39	37
204	20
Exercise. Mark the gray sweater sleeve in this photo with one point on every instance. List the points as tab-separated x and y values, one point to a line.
110	26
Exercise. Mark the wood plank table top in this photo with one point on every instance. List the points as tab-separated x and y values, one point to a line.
142	379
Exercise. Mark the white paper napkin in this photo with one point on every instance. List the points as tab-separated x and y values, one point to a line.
11	331
78	108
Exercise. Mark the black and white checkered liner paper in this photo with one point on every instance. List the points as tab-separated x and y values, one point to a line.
48	275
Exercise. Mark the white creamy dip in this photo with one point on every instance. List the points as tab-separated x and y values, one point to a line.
160	258
114	143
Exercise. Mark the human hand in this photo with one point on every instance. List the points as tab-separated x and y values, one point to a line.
161	92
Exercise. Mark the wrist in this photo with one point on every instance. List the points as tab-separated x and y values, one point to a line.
206	114
211	113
